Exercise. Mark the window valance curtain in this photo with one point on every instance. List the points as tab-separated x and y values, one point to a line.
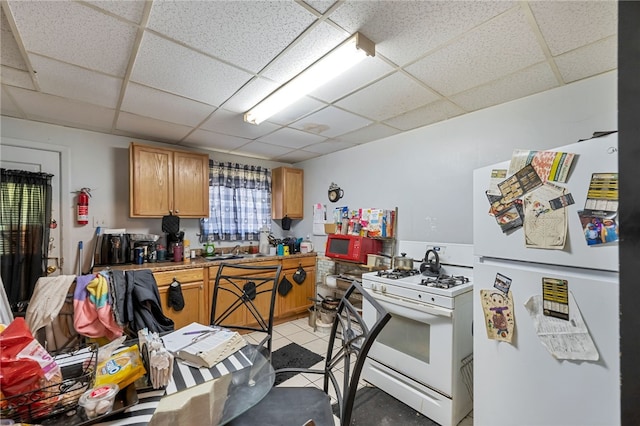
239	202
25	214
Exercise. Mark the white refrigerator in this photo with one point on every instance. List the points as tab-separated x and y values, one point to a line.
521	382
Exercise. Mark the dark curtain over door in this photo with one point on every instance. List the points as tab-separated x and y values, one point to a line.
25	215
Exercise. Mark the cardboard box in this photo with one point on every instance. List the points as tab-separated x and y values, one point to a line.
330	228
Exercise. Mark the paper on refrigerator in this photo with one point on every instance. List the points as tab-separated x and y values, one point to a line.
563	339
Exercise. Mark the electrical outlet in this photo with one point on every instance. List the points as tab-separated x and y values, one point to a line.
99	222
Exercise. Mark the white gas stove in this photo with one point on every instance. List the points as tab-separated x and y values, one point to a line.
418	357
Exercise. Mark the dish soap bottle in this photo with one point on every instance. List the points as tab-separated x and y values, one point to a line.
209	247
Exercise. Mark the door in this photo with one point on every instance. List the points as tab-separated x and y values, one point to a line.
37	160
523	380
593	156
417	341
150	182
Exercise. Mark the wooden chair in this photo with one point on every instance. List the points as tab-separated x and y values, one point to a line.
313	406
244	298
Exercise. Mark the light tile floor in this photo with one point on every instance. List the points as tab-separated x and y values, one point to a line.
299	331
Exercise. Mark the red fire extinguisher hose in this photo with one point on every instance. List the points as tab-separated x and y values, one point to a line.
82	209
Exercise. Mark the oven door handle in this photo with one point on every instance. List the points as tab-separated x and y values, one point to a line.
429	309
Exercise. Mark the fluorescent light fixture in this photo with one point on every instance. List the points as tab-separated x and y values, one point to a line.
346	55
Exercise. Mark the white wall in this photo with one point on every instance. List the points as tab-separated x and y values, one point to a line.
427	172
100	162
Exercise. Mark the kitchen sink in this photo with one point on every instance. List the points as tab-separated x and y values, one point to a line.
223	257
233	256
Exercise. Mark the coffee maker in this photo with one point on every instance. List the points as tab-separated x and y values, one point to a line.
171	227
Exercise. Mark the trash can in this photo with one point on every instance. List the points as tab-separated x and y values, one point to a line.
313	316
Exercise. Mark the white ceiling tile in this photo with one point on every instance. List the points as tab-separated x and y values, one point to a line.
428	114
67	31
388	97
250	94
404	30
196	56
363	73
318	42
291	138
10	54
173	68
232	123
131	10
164	106
8	107
502	46
213	140
261	150
296	110
567	25
518	85
149	127
331	122
57	110
69	81
330	145
18	78
246	34
590	60
368	134
297	156
320	5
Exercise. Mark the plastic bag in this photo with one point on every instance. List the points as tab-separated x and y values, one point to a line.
26	367
121	368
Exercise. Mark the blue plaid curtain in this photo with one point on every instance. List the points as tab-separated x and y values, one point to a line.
239	202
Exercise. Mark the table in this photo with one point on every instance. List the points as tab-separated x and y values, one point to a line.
214	402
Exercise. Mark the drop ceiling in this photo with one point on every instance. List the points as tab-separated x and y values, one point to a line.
185	72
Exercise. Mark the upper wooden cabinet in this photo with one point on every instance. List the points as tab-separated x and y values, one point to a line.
164	181
286	193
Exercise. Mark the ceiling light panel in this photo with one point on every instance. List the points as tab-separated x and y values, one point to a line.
355	49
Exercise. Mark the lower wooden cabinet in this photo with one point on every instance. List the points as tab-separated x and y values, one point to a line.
297	300
195	293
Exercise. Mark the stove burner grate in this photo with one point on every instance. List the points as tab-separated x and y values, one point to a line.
396	274
445	281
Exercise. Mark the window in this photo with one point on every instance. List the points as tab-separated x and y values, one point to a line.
239	202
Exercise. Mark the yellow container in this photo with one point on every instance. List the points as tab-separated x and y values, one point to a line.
330	228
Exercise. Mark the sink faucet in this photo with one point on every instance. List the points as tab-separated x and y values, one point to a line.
236	249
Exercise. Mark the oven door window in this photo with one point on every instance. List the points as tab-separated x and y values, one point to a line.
409	336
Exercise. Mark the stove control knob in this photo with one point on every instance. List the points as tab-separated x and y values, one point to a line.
383	288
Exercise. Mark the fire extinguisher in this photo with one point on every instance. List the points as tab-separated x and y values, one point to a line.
82	209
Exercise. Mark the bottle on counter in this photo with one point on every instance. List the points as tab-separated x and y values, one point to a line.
264	240
209	246
186	251
177	252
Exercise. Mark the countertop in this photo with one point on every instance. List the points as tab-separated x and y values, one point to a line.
198	262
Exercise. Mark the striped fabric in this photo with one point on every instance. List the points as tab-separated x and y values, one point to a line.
184	377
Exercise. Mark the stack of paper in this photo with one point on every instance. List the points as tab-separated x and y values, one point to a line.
203	346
